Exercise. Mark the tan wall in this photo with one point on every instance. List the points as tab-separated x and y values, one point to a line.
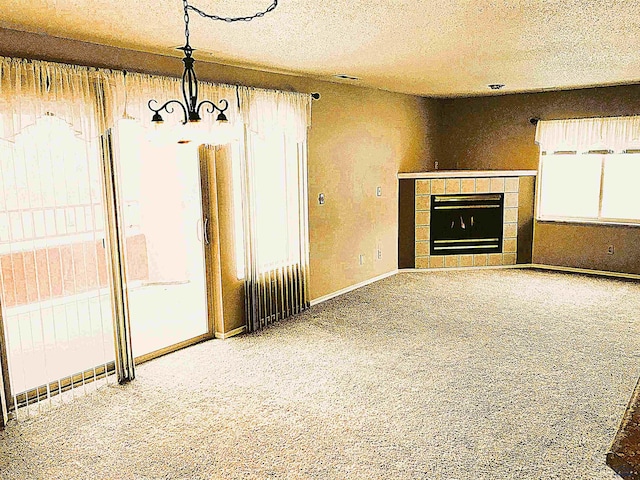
359	140
495	133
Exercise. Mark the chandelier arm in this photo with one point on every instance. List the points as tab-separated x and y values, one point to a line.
248	18
212	107
168	108
191	107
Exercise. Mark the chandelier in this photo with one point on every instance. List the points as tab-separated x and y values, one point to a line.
191	108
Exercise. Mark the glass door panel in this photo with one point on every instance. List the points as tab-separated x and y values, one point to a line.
161	203
56	300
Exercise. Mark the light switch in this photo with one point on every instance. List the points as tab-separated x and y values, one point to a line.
321	199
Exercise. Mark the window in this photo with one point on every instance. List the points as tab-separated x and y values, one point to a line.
275	192
587	172
620	192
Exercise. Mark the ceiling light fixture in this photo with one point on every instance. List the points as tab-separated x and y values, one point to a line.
191	107
496	86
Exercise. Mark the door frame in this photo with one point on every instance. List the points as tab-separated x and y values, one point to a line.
211	245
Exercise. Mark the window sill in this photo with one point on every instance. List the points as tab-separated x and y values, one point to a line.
602	223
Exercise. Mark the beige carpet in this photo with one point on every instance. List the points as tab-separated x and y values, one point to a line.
502	374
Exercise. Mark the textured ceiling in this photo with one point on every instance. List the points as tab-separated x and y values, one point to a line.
424	47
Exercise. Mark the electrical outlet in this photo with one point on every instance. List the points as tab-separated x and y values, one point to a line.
435	165
379	254
610	250
378	191
321	199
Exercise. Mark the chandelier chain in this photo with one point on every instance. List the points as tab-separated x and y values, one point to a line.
191	107
248	18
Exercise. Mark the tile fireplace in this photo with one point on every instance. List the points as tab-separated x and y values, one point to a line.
463	218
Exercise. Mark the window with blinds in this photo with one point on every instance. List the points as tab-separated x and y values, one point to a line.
587	172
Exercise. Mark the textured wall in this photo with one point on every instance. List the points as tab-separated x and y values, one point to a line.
359	140
495	133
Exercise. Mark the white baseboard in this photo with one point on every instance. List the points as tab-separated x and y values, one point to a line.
232	333
585	271
324	298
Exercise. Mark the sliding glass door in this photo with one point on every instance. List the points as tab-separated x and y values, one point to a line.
161	204
56	297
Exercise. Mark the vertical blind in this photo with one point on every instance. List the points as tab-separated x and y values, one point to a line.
274	183
57	320
59	208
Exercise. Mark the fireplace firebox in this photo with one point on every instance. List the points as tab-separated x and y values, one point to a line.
466	224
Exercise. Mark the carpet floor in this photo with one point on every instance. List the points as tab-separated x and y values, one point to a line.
486	374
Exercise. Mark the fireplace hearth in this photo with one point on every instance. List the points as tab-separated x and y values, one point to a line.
466	224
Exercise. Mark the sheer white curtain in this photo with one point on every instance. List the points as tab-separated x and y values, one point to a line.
274	184
56	301
585	134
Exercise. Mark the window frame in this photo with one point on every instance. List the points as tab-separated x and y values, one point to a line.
600	219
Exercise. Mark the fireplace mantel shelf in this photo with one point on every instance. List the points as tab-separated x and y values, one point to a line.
468	174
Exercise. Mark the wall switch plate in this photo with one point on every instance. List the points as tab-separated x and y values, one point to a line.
321	199
610	250
378	191
361	259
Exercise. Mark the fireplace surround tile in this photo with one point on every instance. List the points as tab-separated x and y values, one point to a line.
510	215
452	185
425	188
509	245
510	200
480	260
495	259
422	218
437	186
468	185
483	185
451	261
436	261
510	231
423	203
466	260
512	184
422	233
497	185
422	249
509	259
422	262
